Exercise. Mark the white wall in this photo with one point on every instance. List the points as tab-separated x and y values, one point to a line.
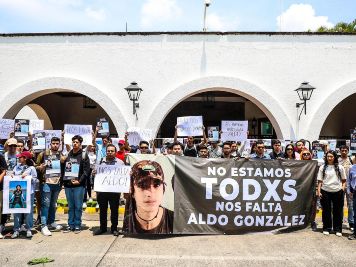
265	68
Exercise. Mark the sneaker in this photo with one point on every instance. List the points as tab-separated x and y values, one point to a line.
97	206
16	234
351	225
326	233
338	234
1	236
314	226
68	229
23	228
99	232
90	200
56	226
84	205
352	237
77	230
115	233
28	234
45	231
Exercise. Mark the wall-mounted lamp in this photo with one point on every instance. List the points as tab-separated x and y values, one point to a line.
305	91
207	3
134	93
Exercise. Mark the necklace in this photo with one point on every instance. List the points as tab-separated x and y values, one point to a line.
147	221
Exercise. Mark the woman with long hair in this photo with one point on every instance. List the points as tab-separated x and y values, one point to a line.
331	186
289	152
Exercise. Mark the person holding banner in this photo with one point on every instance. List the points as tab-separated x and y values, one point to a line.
105	198
260	151
289	152
277	152
203	152
25	167
145	215
190	149
74	179
10	154
50	178
331	186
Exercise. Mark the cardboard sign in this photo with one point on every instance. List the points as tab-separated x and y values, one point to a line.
36	125
112	178
17	194
6	127
85	131
103	127
190	126
234	130
39	141
22	127
136	135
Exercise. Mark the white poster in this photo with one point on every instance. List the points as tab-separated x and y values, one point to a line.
6	127
135	135
17	194
49	134
234	130
39	141
112	178
84	131
36	125
190	126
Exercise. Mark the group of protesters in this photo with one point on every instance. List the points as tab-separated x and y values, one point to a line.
335	179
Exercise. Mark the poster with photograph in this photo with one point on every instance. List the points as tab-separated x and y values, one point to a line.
48	135
71	169
151	195
190	126
6	127
85	131
103	127
213	133
22	127
112	178
17	194
53	168
318	150
353	141
39	141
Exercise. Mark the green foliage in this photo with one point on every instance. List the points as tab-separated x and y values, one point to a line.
40	261
340	27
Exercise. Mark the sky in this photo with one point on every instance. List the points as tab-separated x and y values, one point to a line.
29	16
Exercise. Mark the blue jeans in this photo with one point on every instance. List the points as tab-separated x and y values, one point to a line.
49	196
75	205
350	217
354	206
28	217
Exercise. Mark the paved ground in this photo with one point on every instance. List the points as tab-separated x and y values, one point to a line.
301	248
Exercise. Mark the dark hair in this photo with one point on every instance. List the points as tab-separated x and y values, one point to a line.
111	145
176	143
336	163
275	141
29	162
202	147
344	147
301	140
227	144
285	151
259	142
55	139
77	137
143	142
21	141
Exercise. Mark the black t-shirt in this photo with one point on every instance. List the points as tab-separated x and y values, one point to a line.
3	166
190	151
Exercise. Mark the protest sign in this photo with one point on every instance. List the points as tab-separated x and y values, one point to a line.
48	135
17	194
115	142
234	130
71	169
219	196
213	133
39	141
112	178
103	127
353	141
318	150
6	127
135	135
36	125
190	126
85	131
21	127
53	168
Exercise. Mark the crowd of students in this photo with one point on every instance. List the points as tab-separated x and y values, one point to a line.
336	177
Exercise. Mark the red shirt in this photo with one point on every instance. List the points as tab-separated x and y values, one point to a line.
121	155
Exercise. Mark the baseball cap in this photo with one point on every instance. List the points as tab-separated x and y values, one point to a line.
11	141
26	154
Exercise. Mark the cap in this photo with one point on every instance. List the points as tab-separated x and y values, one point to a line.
147	168
11	141
121	142
26	154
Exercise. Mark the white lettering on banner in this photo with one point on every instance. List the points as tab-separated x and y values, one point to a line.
234	130
190	126
256	172
112	178
85	131
6	127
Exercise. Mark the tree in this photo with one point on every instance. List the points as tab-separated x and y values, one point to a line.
340	27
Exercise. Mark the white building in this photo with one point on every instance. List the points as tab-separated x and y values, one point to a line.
262	70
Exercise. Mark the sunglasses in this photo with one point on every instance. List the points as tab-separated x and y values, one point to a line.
146	182
307	154
260	147
143	147
290	149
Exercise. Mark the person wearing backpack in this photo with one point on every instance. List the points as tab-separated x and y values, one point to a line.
76	173
50	175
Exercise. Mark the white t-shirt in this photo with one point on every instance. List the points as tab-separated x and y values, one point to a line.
331	181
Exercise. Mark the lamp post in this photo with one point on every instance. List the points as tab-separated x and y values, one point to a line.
134	93
206	5
305	91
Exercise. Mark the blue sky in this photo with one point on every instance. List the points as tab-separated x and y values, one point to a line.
171	15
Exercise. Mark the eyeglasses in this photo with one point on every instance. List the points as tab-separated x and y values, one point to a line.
290	149
145	183
306	154
143	147
260	147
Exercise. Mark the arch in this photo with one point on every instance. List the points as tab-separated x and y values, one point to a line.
12	103
320	116
37	112
261	98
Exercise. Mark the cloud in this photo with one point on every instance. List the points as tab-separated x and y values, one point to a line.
216	23
98	14
157	11
301	17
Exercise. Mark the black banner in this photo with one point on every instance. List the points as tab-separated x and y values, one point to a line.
219	196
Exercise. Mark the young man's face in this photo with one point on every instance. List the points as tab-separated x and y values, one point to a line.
110	152
148	194
203	153
277	147
260	149
54	145
105	141
190	140
344	152
300	146
19	147
76	144
177	150
12	148
233	147
226	150
144	148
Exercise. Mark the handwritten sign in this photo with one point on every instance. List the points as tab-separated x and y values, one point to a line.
112	178
6	127
22	127
84	131
36	125
190	126
103	127
135	135
234	130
